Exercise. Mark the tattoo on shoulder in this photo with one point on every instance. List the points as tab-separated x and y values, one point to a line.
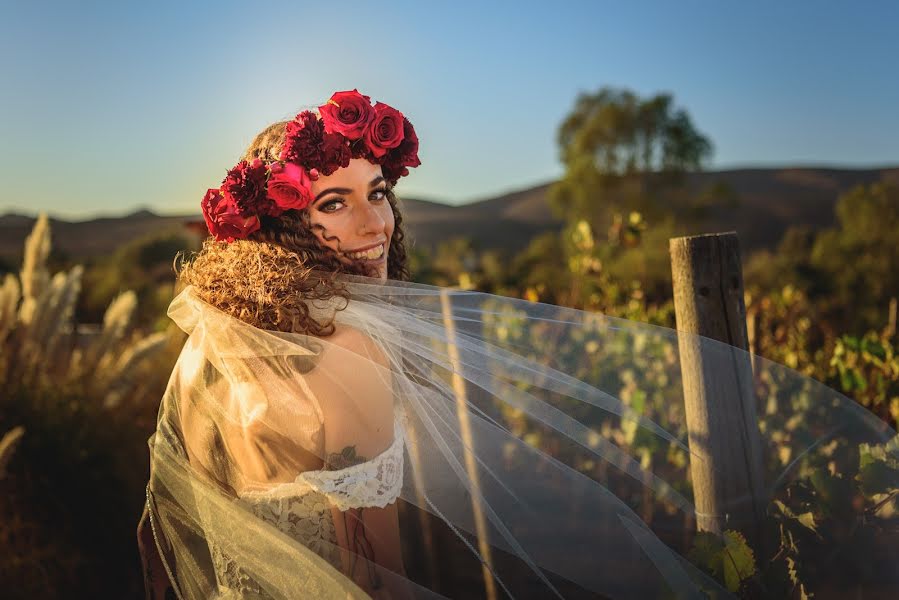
343	459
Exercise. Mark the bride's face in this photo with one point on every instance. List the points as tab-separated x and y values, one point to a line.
351	205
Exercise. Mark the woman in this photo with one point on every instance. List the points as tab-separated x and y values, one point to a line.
336	214
545	451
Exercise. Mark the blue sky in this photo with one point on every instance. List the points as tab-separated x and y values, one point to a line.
106	107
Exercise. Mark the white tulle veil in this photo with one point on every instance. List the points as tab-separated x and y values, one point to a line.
533	435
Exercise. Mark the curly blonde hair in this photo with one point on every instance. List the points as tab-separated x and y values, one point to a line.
269	279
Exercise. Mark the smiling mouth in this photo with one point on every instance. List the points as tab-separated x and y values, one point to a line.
375	253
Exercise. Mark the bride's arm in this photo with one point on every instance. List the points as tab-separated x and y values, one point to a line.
358	417
367	537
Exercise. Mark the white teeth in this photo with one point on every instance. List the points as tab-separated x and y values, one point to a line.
370	254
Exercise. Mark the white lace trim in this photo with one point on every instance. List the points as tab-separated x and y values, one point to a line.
376	482
301	508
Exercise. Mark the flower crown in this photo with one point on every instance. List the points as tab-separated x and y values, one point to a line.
347	126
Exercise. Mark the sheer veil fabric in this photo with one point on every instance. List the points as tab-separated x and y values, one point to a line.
532	433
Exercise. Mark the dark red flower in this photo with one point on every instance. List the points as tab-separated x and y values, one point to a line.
245	187
407	151
323	145
396	162
335	153
303	140
347	113
307	144
385	130
393	171
224	220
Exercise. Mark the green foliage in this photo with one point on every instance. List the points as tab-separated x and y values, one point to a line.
828	522
867	369
841	498
838	499
859	256
806	519
612	257
728	557
452	259
782	327
145	266
419	262
848	271
538	268
458	263
878	471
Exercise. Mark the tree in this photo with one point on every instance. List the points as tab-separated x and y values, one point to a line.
613	139
859	256
848	271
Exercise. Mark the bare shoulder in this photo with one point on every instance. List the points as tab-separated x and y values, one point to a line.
353	382
355	340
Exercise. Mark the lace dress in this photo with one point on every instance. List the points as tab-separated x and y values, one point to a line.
302	509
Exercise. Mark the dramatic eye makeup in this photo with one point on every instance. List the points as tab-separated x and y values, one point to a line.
340	190
324	206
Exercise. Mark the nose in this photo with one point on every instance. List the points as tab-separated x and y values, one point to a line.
371	220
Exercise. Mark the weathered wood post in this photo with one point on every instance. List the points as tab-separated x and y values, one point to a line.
726	462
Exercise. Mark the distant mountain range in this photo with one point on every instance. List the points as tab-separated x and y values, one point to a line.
765	203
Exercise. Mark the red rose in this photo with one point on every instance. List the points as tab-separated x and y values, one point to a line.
289	187
223	219
397	161
347	113
385	131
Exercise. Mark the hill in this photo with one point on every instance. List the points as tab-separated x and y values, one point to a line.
765	203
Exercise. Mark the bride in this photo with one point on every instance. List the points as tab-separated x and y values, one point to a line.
315	192
535	450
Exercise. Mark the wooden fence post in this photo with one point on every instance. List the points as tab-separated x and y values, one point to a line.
722	421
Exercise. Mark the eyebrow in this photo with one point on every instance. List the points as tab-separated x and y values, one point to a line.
371	184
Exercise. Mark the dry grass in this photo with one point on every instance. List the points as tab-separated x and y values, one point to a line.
74	418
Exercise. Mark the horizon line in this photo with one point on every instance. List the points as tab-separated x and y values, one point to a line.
12	211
